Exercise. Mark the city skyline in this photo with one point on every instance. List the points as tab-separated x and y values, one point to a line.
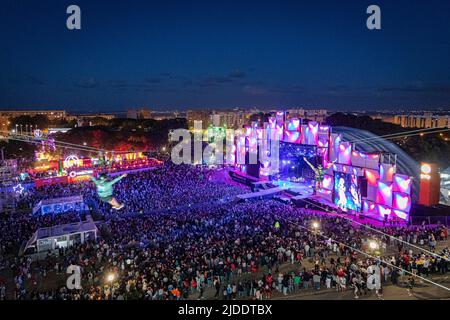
178	56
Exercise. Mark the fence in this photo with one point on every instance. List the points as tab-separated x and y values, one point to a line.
444	220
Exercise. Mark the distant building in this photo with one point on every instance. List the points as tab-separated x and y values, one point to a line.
164	115
425	120
236	118
232	119
7	116
198	115
142	113
318	115
98	115
50	114
4	123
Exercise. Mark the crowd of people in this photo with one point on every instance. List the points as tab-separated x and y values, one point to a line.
183	235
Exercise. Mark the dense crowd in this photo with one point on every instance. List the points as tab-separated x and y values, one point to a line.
161	188
199	247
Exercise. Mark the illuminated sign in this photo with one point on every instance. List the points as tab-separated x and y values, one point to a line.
18	189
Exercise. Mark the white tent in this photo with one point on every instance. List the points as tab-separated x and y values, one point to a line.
61	236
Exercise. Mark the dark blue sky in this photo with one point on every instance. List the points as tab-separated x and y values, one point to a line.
184	54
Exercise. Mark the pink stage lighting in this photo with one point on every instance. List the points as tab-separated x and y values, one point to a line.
272	122
294	125
402	215
240	150
384	193
402	183
327	182
402	202
387	172
384	210
292	136
345	153
312	133
259	133
372	177
370	207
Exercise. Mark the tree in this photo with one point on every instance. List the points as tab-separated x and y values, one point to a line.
426	148
39	121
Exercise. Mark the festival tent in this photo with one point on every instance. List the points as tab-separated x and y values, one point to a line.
61	236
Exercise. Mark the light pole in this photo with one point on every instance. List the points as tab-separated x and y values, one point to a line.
374	247
316	227
110	279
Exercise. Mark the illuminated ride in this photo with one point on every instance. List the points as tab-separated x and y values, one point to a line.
105	189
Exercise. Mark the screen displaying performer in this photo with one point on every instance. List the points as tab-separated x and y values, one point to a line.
346	191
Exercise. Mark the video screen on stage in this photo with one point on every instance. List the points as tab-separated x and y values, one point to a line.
292	163
346	191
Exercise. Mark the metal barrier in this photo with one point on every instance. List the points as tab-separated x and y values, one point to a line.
431	220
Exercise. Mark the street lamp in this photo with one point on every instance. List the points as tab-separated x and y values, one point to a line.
373	245
110	278
315	225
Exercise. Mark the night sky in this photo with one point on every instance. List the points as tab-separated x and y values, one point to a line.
222	54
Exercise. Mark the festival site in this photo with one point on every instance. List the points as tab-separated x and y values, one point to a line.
323	220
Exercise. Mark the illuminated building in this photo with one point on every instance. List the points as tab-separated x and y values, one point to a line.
141	113
430	184
425	120
50	114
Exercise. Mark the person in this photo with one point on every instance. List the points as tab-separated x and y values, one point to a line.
277	225
342	199
319	172
410	285
105	189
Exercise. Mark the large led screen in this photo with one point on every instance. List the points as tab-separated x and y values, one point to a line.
346	191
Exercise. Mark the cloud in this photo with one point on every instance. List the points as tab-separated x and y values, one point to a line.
153	80
288	90
87	83
35	81
218	80
117	83
418	87
254	90
238	74
214	81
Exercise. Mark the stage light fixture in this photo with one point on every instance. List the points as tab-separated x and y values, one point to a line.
425	168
